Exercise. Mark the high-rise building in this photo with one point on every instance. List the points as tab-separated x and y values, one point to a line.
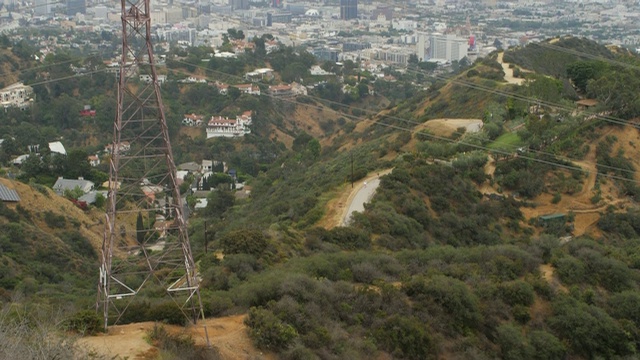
348	9
448	47
239	4
75	6
422	46
43	8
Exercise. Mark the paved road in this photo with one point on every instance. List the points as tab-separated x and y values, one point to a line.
362	196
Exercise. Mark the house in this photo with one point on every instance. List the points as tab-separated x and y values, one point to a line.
193	80
123	147
87	111
16	95
250	89
259	74
20	159
222	88
193	120
189	166
181	175
56	147
94	160
63	185
207	165
316	70
225	127
298	89
281	90
147	78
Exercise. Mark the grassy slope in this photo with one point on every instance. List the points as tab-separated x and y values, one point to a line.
49	256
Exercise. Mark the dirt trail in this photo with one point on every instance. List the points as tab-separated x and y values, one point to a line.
228	334
548	273
508	73
586	213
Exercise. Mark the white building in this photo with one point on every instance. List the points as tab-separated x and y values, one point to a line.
225	127
422	46
447	47
16	95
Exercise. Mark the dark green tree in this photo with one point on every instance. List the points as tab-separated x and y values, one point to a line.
140	228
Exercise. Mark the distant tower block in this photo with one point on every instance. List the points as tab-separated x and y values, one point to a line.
348	9
146	246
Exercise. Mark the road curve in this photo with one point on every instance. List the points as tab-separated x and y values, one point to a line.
362	193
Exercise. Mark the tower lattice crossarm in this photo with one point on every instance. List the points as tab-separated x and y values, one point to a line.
145	243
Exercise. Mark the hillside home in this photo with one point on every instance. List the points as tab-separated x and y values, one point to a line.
146	78
193	80
193	120
281	90
259	74
248	89
56	147
94	160
225	127
63	185
16	95
123	147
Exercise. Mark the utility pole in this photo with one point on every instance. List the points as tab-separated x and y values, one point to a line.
206	237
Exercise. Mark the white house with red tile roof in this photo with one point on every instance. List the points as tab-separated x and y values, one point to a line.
281	90
250	89
220	126
94	160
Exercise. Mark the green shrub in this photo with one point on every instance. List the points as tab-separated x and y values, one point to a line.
252	242
517	292
406	338
54	221
85	322
269	332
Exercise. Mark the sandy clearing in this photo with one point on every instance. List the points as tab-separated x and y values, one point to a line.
446	127
508	73
228	334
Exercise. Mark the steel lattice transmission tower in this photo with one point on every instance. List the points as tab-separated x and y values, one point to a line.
146	246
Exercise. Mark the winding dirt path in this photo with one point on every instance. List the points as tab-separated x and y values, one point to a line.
508	73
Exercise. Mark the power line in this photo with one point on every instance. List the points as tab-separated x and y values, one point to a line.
384	124
431	135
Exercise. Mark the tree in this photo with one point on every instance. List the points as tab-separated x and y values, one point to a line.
581	72
235	34
140	229
77	164
65	111
218	202
294	72
413	60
